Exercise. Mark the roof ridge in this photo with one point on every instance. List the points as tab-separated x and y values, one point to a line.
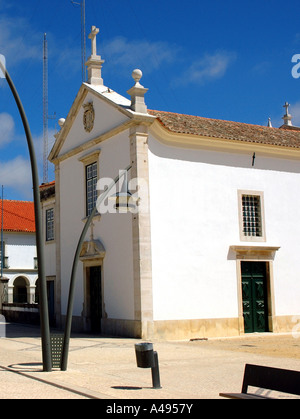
230	130
214	119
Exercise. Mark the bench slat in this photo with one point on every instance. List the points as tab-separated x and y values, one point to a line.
275	379
242	396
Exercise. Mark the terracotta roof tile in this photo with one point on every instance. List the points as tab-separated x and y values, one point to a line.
195	125
18	216
47	190
47	185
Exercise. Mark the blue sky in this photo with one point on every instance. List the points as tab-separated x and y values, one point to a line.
220	59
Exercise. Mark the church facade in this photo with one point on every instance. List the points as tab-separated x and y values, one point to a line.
210	248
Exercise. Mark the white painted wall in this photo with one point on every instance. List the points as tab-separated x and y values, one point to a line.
194	221
113	230
72	212
20	249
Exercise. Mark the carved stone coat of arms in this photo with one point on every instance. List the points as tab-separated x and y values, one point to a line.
88	117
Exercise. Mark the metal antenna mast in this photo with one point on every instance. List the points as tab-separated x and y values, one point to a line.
45	108
46	116
83	37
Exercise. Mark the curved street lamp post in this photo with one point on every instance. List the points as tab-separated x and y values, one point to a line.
44	315
68	327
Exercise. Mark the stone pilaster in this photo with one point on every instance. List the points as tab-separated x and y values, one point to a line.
142	260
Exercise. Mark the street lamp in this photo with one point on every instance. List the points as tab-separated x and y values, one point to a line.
68	327
44	315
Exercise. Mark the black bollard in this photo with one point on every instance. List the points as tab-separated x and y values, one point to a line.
147	358
155	373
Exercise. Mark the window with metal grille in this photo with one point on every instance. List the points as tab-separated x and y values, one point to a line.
252	222
91	187
50	225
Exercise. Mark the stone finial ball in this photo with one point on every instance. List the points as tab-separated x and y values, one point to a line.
137	75
61	122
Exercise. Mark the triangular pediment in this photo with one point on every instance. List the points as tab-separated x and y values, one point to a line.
91	250
96	111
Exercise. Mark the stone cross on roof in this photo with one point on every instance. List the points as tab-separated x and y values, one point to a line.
286	106
93	37
94	63
287	117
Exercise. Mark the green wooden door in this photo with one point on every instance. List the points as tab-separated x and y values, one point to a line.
255	299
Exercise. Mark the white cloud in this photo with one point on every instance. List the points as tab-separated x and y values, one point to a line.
20	42
149	56
262	68
38	143
294	110
16	174
18	45
3	5
7	128
209	67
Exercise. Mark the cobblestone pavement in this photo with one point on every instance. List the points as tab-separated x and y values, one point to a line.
105	368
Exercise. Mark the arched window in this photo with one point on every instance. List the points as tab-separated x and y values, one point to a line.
20	290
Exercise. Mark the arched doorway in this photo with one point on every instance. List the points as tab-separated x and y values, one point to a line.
20	290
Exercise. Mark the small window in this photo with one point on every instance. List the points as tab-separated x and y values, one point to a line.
251	216
91	187
50	225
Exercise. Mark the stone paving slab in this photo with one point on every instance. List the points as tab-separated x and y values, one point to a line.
105	367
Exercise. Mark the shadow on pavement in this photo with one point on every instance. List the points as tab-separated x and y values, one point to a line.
27	367
14	330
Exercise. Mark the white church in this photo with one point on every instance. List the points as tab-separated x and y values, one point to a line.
211	248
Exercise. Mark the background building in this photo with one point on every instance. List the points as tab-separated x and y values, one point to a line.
19	261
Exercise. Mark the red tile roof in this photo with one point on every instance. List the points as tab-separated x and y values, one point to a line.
238	131
18	216
47	190
47	185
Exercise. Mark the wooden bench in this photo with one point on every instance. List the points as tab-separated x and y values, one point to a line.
283	381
